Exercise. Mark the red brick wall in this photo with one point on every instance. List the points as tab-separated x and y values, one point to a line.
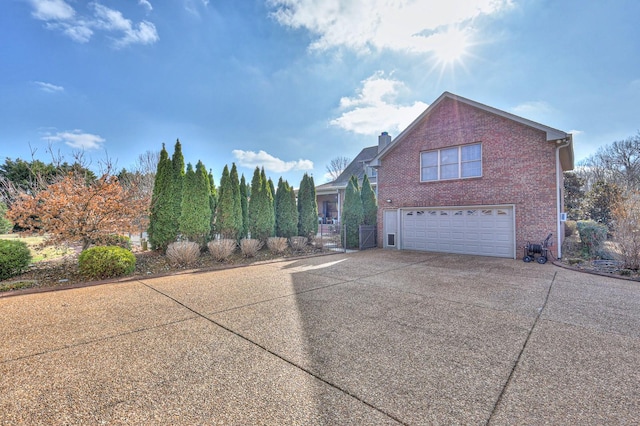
518	167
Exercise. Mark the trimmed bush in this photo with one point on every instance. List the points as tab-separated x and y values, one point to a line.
14	258
277	244
183	253
250	246
106	262
222	249
593	236
113	240
298	243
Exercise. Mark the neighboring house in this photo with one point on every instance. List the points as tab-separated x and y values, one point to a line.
468	178
330	196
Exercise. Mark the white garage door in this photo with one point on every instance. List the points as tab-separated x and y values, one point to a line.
486	231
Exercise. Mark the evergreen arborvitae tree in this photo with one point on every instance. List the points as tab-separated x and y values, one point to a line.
261	215
244	203
237	203
272	188
225	222
286	210
177	161
160	231
314	204
213	202
253	209
195	218
352	215
574	196
270	204
369	203
602	200
307	208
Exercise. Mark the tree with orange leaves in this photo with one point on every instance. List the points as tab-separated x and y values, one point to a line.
73	210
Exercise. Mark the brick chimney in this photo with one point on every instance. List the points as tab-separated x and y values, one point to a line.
383	140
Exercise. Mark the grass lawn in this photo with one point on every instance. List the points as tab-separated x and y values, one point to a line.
39	251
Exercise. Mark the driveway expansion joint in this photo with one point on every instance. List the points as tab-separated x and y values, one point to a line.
524	346
92	341
281	357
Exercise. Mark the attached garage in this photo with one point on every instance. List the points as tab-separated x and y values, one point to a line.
485	231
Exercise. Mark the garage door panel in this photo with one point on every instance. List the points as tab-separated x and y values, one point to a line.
457	236
483	231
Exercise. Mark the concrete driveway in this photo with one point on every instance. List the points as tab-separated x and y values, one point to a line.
376	337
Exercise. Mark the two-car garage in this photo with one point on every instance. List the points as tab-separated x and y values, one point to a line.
484	230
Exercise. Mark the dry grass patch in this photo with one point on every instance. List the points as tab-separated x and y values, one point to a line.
277	245
183	253
222	249
250	247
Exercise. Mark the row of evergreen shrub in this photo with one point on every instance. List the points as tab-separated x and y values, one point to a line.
189	206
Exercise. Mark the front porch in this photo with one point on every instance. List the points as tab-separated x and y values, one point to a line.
328	209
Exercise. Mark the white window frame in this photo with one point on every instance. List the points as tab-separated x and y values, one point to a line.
438	166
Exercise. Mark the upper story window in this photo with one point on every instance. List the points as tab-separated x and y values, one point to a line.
451	163
371	172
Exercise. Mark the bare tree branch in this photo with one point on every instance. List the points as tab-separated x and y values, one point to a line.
336	166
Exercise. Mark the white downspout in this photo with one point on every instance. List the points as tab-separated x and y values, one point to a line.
559	181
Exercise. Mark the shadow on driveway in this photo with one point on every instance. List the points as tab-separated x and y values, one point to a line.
375	337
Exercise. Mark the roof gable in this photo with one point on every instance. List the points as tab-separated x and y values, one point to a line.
355	168
566	155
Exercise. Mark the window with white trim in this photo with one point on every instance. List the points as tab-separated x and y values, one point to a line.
451	163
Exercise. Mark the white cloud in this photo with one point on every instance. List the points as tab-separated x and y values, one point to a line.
532	108
46	10
112	20
146	4
251	159
77	139
362	25
60	16
374	108
539	111
48	87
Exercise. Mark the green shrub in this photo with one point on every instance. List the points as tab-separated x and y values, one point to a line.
14	258
593	236
106	262
114	240
5	224
570	227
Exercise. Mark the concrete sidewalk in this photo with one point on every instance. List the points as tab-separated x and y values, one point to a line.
375	337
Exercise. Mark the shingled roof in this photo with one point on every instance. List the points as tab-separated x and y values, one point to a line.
355	168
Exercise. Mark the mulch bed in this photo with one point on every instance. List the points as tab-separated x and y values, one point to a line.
63	273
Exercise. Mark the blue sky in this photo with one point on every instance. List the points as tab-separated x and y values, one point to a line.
291	84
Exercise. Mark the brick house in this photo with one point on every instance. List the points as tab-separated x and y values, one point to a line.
468	178
330	196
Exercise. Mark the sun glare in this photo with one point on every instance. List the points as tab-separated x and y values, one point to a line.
451	47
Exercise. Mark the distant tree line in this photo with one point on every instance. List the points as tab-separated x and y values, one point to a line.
603	180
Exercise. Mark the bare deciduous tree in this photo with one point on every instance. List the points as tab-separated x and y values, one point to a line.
336	166
617	163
